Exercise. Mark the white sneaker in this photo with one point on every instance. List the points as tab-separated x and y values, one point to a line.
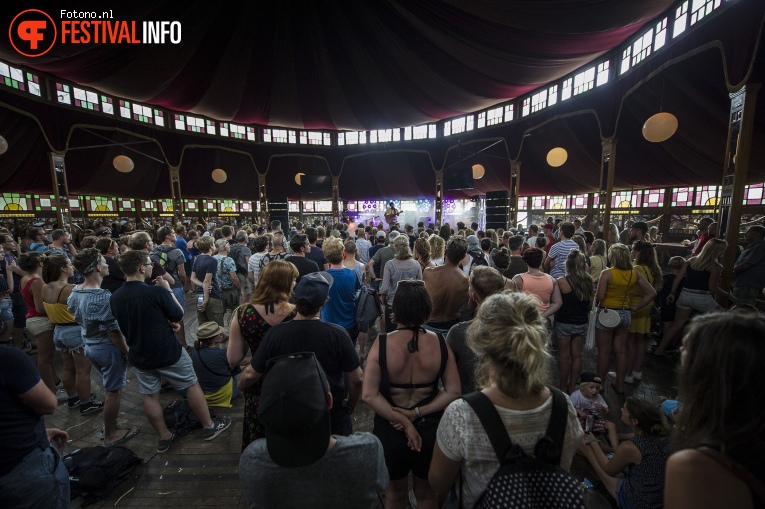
629	378
61	395
637	375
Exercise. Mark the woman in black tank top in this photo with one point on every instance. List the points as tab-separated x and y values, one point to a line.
401	384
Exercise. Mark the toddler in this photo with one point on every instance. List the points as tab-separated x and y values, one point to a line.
588	403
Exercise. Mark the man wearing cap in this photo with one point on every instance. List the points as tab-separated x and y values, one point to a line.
216	377
375	274
330	342
299	463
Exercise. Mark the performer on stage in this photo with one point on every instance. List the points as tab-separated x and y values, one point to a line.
391	214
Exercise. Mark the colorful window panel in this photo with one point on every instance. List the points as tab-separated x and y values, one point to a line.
228	206
15	201
100	204
308	206
384	135
294	206
584	81
126	205
13	77
46	203
209	206
279	136
703	8
148	205
578	201
601	77
682	197
190	205
653	198
63	93
245	206
621	199
107	106
323	206
681	20
523	202
538	202
707	196
75	204
236	131
165	205
86	99
555	202
754	195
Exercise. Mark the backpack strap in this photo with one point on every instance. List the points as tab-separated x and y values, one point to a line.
491	422
556	428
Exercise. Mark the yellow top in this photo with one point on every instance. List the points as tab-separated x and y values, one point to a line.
618	291
58	313
636	293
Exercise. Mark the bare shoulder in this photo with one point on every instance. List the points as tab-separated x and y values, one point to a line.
563	284
698	480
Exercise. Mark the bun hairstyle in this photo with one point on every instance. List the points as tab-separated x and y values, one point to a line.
52	265
649	418
29	261
501	258
508	335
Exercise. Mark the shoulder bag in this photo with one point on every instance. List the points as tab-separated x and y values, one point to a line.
368	305
609	318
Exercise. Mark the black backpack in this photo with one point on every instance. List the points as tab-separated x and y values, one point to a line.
180	418
522	481
95	471
235	254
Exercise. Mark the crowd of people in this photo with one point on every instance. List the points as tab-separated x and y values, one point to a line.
460	310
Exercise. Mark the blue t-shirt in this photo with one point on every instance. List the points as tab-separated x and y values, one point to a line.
21	429
206	264
340	309
181	244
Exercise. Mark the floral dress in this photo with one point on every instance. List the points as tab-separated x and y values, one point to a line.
253	327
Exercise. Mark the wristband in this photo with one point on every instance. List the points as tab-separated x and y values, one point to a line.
417	412
591	441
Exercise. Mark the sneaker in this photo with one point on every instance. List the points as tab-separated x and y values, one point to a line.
73	402
91	406
637	375
101	433
164	445
629	378
220	424
61	395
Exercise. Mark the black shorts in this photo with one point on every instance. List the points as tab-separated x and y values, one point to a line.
398	457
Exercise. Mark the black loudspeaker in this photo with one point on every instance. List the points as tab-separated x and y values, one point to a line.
278	210
497	209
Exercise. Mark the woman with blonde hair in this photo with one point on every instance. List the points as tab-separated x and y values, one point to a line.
402	266
645	262
572	319
422	253
437	249
700	276
508	337
269	306
613	296
597	259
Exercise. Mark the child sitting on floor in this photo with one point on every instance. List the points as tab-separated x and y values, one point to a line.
588	402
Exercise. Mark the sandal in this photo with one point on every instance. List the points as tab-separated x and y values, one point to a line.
129	433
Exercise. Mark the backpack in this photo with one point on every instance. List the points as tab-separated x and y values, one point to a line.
522	481
180	418
235	253
95	471
164	260
267	258
36	246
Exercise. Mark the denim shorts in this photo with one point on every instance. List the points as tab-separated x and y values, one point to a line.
6	311
180	295
180	375
565	330
68	338
624	314
701	302
622	501
40	479
111	363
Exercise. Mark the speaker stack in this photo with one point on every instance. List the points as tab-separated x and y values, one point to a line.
497	209
278	210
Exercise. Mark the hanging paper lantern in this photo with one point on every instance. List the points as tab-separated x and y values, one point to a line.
219	175
298	178
478	171
557	156
660	127
123	164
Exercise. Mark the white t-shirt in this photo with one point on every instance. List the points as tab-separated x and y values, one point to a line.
462	438
584	403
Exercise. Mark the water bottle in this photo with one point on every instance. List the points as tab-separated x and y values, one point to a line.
200	301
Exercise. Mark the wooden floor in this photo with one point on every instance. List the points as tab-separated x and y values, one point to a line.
196	473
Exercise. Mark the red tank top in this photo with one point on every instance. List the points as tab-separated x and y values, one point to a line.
29	299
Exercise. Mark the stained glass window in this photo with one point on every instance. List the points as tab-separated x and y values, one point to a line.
100	204
209	205
578	201
753	194
294	206
653	198
107	105
46	202
523	202
245	206
707	196
228	206
15	201
190	205
165	205
314	138
538	202
14	78
126	205
555	202
74	204
63	93
682	197
86	99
